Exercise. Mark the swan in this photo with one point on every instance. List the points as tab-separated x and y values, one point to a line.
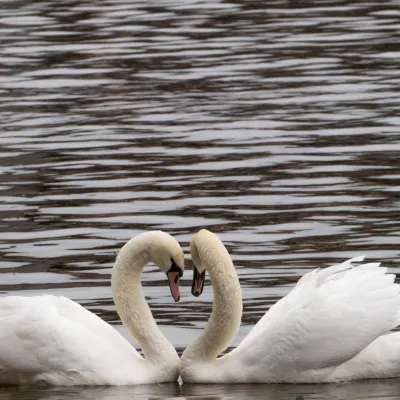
53	340
333	326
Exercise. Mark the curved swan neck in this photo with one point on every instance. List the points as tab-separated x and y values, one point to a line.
131	304
226	313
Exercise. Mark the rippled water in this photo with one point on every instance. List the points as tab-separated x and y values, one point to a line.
273	123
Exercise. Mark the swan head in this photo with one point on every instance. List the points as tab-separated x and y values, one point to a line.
164	251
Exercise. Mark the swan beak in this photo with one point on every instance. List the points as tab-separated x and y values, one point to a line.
198	282
173	280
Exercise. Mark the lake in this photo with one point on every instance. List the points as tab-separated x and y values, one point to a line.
275	124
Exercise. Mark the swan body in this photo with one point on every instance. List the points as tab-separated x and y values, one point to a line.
333	326
53	340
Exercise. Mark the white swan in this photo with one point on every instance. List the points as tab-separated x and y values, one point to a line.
54	340
333	326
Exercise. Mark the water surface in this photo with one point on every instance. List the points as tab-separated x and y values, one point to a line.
273	123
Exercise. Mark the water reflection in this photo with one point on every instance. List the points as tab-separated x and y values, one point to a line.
273	123
384	389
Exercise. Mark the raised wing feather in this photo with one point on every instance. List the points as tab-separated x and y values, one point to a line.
328	318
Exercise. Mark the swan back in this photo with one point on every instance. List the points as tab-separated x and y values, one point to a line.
53	339
327	319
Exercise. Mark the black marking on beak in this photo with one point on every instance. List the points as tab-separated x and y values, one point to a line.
175	268
173	274
198	282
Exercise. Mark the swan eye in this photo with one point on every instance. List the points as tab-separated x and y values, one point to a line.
175	268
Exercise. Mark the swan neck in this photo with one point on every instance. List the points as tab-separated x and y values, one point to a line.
131	304
226	314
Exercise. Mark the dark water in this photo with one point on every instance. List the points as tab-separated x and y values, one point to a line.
273	123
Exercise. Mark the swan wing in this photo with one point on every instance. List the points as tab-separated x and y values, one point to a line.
57	340
327	319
